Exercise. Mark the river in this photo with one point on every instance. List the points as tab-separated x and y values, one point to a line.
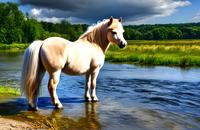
131	98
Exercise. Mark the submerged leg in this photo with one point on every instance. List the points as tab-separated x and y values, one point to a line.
87	87
52	85
93	85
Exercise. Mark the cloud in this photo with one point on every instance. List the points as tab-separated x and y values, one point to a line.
52	19
90	11
35	12
196	18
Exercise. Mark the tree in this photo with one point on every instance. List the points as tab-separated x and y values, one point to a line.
148	35
11	22
159	33
190	33
174	33
32	30
132	34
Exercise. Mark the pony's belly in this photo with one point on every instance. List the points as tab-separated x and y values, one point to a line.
75	70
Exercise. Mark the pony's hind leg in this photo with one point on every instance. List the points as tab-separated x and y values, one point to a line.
32	101
52	85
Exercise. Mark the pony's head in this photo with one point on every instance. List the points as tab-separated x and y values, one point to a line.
115	32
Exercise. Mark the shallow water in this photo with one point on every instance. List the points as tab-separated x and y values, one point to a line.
131	97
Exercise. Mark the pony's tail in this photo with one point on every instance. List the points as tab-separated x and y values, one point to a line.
32	72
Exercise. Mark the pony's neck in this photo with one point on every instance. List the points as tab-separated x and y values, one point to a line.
98	36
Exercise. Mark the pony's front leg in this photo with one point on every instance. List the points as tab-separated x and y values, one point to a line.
93	85
87	87
52	85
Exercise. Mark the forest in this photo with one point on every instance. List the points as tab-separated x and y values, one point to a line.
16	27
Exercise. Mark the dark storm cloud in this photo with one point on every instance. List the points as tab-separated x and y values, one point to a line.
94	10
67	5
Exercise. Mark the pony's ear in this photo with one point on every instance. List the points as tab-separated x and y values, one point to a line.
120	19
110	21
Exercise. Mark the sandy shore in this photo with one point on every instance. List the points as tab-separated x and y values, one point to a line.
9	124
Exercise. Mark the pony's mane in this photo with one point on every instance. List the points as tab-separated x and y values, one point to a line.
93	28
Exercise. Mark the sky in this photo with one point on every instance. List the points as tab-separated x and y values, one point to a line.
133	12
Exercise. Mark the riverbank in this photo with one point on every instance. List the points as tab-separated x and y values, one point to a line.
4	90
6	94
183	53
15	47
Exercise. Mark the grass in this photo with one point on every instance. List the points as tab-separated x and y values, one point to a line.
184	53
9	90
16	47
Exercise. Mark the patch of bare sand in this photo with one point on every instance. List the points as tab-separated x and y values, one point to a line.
9	124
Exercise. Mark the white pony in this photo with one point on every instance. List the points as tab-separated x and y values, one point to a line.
56	55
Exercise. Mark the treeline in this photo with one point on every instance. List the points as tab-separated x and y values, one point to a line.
15	27
163	31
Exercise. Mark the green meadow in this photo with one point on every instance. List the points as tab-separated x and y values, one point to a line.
183	53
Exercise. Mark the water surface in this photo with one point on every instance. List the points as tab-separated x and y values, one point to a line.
131	97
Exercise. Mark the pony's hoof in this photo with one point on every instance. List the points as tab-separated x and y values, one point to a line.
32	108
95	99
87	99
58	106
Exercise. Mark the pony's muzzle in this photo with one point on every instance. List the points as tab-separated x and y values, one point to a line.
122	44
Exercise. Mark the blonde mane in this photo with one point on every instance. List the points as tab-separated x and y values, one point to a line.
94	32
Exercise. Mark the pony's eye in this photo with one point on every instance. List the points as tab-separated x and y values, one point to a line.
113	32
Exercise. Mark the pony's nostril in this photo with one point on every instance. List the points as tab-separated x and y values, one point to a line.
122	44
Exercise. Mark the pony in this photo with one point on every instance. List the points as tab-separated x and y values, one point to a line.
55	55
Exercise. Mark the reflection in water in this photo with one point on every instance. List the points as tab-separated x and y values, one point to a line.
89	120
52	118
91	117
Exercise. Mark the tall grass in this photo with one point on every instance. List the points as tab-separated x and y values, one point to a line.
170	52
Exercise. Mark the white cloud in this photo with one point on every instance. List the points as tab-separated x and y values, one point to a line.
52	19
168	7
35	12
